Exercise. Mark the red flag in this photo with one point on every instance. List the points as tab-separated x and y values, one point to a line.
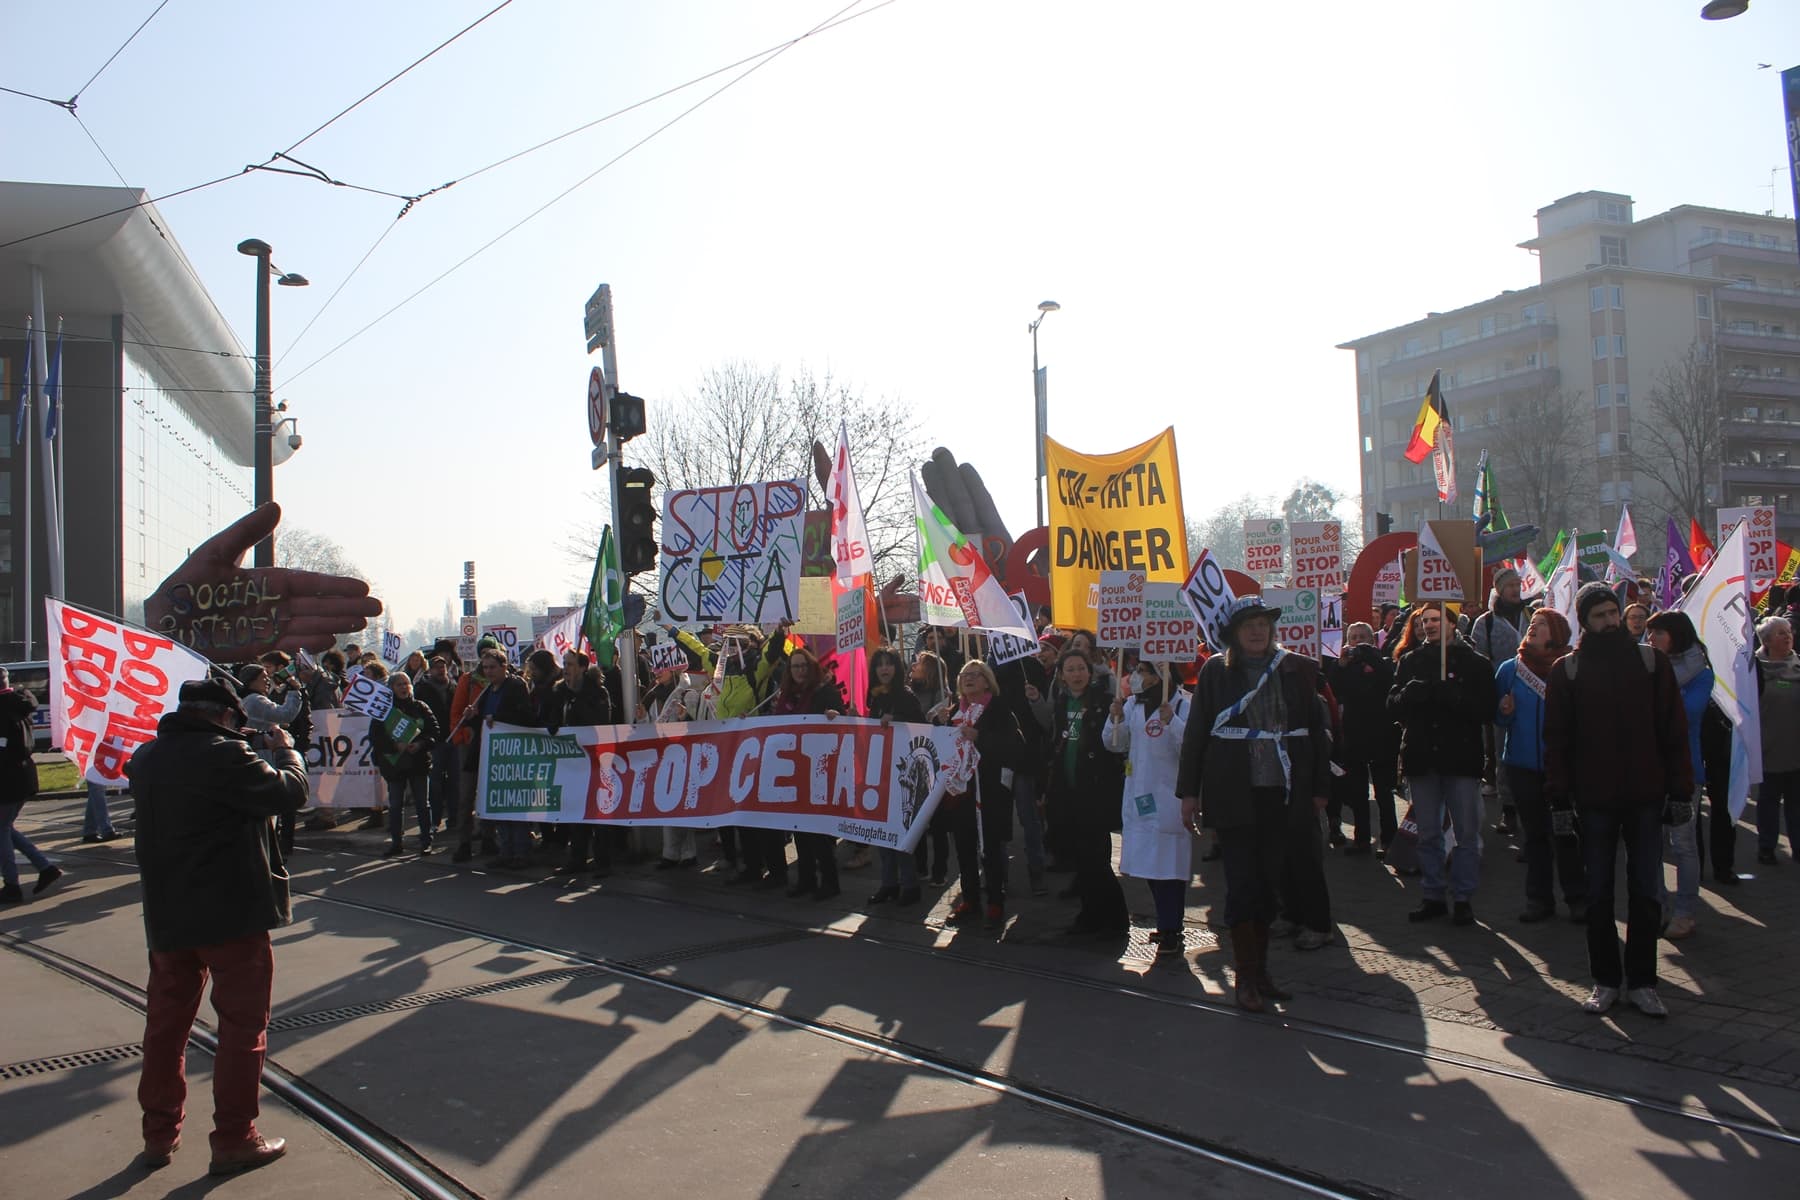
1700	547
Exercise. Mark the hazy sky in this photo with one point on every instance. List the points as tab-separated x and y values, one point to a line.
1216	194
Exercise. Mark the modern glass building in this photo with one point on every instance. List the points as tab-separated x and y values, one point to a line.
156	439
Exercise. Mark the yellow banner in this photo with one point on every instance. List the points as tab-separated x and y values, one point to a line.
1112	512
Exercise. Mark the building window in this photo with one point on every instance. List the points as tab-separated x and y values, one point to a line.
1368	402
1703	306
1600	347
1531	361
1603	396
1624	489
1618	297
1368	444
1412	346
1612	252
1605	444
1614	211
1621	396
1618	345
1609	492
1596	299
1362	360
1487	327
1624	443
1531	314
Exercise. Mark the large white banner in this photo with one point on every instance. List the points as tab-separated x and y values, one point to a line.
1759	529
1719	607
732	554
110	683
847	777
1318	556
340	765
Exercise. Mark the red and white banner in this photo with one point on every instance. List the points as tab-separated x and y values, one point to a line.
1318	555
847	777
110	683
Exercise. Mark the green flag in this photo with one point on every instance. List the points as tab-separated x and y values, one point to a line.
604	619
1487	495
1549	562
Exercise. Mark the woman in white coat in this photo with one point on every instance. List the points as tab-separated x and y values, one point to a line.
1157	847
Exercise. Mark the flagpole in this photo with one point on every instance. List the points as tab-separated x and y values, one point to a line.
25	464
40	377
56	451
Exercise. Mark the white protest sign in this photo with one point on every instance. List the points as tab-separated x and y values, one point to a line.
1298	626
1170	632
1438	579
1331	626
369	696
508	637
1004	648
340	767
667	656
1208	595
110	683
852	621
390	648
1121	613
1760	532
732	554
1388	581
1264	541
1319	555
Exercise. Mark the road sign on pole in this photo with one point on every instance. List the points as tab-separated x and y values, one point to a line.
599	321
596	406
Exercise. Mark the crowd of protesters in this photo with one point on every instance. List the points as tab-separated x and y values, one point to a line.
1582	738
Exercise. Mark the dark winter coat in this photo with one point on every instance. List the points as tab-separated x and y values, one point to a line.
18	770
413	762
590	704
1001	747
1361	681
1615	736
1441	719
1217	769
897	703
436	697
1092	800
205	844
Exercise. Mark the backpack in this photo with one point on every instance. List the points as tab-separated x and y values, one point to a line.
1648	653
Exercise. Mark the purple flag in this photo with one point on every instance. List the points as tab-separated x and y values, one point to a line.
1677	565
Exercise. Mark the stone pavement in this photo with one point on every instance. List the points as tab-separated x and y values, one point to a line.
1733	989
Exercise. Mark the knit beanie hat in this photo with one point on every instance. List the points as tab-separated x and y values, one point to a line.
1592	594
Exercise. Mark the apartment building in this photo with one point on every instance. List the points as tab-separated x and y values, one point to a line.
1617	300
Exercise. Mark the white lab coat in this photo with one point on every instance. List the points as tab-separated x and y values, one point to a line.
1155	844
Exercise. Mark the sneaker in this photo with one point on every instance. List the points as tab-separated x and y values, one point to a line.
46	877
1464	914
259	1152
1428	910
1726	878
427	848
882	896
1170	944
1646	1001
1312	939
1281	927
1680	927
939	878
10	894
1602	999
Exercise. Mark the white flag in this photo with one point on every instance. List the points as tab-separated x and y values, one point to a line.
1719	606
1564	582
1531	583
1624	546
849	532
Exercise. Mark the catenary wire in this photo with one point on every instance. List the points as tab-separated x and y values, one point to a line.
34	96
370	95
94	337
566	192
342	284
109	62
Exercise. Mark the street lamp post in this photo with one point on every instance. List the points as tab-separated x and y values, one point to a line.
1040	402
263	430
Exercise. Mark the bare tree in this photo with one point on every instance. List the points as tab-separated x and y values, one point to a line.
748	424
1541	449
1314	501
302	549
1222	530
1679	445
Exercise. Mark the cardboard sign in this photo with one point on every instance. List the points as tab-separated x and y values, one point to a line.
340	762
1387	585
508	637
667	656
1121	611
851	777
1765	563
1112	512
1331	626
1170	632
817	615
732	554
1264	546
110	683
852	621
1461	574
1208	595
1006	647
1318	555
1298	627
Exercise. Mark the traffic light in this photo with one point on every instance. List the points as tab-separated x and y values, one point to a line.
637	519
627	416
1384	523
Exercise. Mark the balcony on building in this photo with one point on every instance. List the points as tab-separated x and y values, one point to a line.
1526	332
1763	340
1734	245
1771	474
1524	380
1766	387
1738	293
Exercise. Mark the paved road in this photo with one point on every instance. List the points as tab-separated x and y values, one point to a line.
525	1074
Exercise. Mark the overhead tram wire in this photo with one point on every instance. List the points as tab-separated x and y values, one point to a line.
90	337
70	105
584	180
412	201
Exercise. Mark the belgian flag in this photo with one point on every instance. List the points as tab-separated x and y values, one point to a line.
1432	415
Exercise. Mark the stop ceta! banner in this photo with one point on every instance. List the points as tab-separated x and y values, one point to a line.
1170	632
847	777
1318	555
110	683
1263	546
1121	612
1765	563
1298	628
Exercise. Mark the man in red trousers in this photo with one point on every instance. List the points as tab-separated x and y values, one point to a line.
213	886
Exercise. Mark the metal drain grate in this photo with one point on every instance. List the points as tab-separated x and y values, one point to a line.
670	958
68	1062
350	1012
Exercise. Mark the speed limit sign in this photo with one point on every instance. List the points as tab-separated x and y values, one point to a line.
596	406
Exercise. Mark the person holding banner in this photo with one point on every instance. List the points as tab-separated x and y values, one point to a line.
1255	764
890	700
1361	681
804	689
1155	844
1616	752
1673	633
1086	783
580	698
408	766
1443	696
503	698
981	820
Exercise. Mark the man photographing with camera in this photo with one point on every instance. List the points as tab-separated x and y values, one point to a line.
213	886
